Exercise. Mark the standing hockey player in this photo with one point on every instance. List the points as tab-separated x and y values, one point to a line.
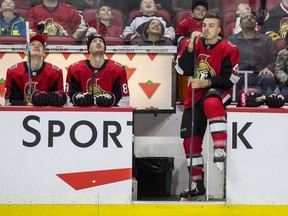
97	81
213	64
44	85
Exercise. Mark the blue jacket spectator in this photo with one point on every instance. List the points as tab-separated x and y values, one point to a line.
10	22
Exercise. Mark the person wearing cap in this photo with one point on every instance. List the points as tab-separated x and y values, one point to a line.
34	82
97	81
194	22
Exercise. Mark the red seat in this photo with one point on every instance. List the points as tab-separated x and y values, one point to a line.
24	13
228	17
61	40
26	4
12	39
280	44
90	14
230	5
113	41
161	12
180	16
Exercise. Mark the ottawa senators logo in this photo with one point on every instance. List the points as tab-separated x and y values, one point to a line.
93	88
28	93
283	27
204	70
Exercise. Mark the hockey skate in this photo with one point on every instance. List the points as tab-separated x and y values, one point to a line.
219	158
197	192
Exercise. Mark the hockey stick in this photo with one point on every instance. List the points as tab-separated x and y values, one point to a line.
28	59
192	123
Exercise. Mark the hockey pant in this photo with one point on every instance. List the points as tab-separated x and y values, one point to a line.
213	110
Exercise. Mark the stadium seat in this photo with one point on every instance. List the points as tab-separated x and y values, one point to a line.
230	5
12	39
61	40
90	14
228	18
161	12
24	13
26	4
114	41
180	16
280	44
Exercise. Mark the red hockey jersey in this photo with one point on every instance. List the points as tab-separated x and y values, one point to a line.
48	78
65	15
111	77
218	62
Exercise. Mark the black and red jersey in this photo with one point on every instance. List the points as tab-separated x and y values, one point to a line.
65	15
218	62
48	78
110	77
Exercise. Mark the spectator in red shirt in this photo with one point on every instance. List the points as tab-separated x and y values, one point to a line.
57	18
193	23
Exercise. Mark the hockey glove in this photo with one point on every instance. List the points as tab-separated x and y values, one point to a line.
104	99
255	99
40	98
57	98
275	101
82	99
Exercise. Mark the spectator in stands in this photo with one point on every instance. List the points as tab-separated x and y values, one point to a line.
43	87
281	70
276	24
102	23
57	18
127	5
97	81
10	22
148	10
153	34
257	54
194	23
234	27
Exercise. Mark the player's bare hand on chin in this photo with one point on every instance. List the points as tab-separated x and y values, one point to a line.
195	34
198	83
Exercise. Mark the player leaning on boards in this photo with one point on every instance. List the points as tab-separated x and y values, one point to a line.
213	65
97	81
34	82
